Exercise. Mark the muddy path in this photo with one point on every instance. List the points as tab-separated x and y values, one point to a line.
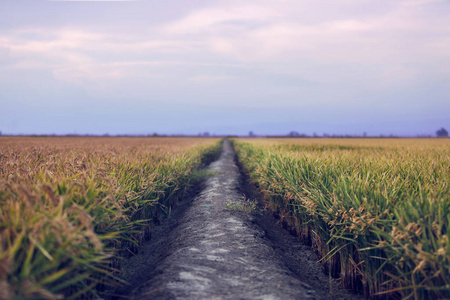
207	251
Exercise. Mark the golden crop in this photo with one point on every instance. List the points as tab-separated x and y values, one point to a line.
67	205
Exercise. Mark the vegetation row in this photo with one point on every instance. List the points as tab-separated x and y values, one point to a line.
71	207
377	212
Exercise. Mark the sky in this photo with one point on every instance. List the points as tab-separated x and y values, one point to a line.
226	67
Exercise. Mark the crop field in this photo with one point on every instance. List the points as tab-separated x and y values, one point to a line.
377	211
71	207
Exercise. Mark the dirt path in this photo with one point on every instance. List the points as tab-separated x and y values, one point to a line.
207	251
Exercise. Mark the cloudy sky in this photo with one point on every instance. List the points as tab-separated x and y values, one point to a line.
227	67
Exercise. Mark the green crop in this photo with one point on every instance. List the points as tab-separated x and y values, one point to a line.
376	211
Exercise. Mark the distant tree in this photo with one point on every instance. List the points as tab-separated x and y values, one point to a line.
251	133
442	132
0	132
294	133
365	134
206	133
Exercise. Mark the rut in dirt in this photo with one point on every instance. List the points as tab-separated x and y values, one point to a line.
210	252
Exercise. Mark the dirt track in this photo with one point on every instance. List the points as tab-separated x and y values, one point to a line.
206	251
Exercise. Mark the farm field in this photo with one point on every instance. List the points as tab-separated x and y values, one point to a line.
377	211
213	250
70	207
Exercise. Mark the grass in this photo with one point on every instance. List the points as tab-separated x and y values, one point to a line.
246	206
70	207
376	211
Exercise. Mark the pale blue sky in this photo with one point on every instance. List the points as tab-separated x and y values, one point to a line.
228	67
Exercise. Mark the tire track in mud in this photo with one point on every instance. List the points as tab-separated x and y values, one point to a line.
210	252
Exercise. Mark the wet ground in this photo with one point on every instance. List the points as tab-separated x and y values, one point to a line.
208	251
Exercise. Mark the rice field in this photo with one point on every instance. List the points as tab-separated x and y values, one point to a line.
70	208
376	211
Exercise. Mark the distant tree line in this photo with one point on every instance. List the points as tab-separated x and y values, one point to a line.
295	134
442	132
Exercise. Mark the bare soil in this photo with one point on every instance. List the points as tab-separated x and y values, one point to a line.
207	251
